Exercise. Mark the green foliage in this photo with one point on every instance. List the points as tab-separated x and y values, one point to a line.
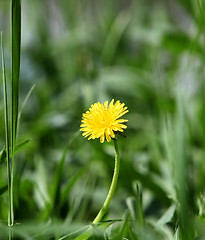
149	55
3	155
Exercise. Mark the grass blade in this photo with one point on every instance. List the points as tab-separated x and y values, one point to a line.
6	116
16	45
19	146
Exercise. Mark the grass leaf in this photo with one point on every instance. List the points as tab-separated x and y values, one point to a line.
16	45
6	120
21	145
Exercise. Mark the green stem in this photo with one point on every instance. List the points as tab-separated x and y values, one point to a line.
113	185
7	136
111	192
12	192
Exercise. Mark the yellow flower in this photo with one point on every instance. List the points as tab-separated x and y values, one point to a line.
102	120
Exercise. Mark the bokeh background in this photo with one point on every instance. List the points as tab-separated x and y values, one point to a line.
148	54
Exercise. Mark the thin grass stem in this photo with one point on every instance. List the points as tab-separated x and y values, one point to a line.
6	119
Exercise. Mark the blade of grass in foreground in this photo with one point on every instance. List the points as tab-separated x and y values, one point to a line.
16	45
6	115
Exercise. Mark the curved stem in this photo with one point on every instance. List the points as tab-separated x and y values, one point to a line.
105	206
113	185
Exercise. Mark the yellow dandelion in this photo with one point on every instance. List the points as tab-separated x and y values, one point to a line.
102	120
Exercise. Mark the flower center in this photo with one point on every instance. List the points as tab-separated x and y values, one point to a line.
103	121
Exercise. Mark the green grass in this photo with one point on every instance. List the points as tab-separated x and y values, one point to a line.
149	55
7	140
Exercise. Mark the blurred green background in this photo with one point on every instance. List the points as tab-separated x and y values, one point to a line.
148	54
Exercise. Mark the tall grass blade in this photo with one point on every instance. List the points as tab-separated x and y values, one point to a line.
6	116
16	45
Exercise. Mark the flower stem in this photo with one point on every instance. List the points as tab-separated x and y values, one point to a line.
113	185
105	206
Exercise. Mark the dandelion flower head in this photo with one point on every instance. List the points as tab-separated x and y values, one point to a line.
102	120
